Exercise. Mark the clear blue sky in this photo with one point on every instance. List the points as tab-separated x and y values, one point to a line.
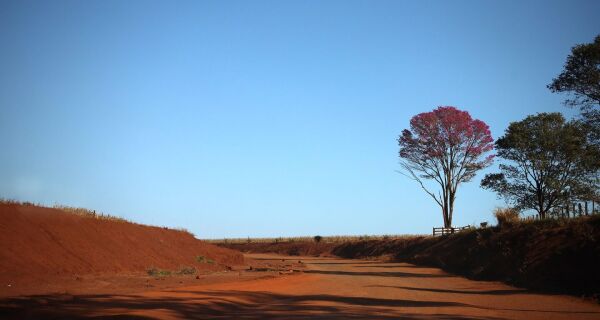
256	118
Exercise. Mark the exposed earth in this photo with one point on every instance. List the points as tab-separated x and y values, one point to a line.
63	264
315	288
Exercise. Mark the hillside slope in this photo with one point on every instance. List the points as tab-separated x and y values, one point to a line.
39	242
549	255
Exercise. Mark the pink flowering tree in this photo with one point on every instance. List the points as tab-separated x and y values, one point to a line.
447	146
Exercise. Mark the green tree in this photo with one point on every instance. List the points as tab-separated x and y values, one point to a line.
549	163
581	76
581	79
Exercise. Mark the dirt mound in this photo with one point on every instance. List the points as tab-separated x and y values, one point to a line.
39	243
297	248
549	255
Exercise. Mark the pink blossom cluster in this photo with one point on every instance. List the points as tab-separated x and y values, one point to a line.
447	133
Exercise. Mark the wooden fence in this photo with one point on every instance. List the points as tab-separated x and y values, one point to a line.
442	231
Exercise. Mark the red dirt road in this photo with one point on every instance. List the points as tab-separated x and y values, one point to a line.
327	289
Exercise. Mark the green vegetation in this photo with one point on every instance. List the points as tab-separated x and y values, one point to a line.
581	76
203	259
156	272
549	164
187	271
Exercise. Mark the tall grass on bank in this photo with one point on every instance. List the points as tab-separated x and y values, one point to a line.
324	239
506	216
83	212
90	213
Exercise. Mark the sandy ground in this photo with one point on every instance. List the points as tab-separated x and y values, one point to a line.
326	288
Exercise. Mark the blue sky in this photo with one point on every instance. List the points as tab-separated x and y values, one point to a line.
263	118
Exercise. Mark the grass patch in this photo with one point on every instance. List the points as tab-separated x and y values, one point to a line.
203	259
186	271
155	272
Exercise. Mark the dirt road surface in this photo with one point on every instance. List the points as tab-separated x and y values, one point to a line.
328	288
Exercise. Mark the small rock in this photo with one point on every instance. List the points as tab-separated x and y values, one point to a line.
197	277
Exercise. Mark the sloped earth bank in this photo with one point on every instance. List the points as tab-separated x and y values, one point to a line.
49	250
329	288
555	256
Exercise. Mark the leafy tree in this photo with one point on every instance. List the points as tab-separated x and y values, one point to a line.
581	78
549	163
581	75
447	146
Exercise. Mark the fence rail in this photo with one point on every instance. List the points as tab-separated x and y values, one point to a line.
442	231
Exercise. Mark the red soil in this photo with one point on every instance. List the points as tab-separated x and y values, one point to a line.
327	288
40	244
558	256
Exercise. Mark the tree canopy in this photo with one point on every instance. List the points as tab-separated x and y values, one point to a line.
581	75
447	146
550	163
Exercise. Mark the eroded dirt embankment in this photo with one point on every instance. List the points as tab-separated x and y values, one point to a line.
551	255
328	288
41	243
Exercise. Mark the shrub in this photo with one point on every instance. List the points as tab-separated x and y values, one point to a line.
203	259
187	270
155	272
506	216
318	239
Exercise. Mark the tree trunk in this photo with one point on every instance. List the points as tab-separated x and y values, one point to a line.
451	208
445	214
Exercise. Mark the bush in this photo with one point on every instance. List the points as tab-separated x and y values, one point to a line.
203	259
506	216
155	272
318	239
186	270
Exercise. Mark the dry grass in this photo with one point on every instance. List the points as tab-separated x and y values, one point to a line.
90	213
85	213
324	239
506	216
